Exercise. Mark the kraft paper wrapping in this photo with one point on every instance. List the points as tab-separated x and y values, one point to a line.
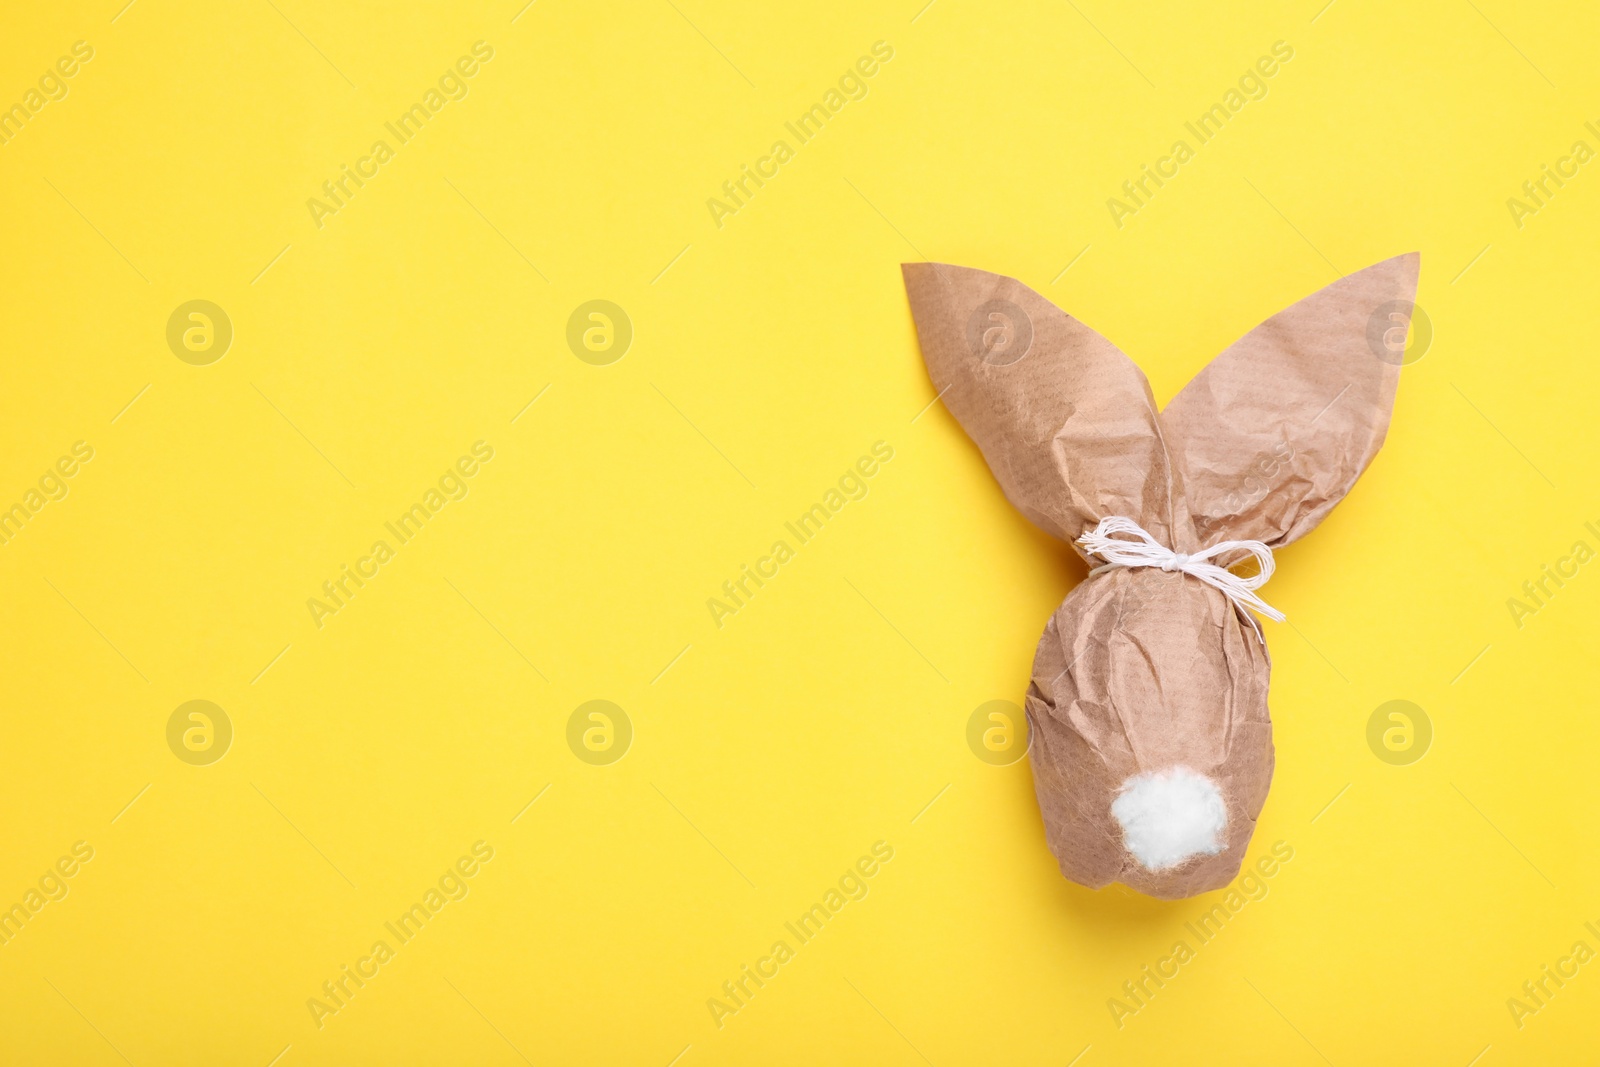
1140	670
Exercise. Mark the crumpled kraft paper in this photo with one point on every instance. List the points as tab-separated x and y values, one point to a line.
1140	670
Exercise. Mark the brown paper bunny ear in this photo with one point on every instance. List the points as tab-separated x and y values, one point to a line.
1064	419
1274	432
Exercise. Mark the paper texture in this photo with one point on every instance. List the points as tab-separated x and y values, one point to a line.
1140	670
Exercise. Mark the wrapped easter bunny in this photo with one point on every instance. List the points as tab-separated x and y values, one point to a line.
1150	739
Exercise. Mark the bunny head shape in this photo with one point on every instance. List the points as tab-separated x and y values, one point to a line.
1150	739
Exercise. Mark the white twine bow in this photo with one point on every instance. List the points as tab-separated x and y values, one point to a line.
1148	552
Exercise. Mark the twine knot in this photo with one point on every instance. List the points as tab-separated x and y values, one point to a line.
1146	551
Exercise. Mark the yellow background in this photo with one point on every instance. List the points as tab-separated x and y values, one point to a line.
770	753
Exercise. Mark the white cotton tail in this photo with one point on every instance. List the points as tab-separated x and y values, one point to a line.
1169	816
